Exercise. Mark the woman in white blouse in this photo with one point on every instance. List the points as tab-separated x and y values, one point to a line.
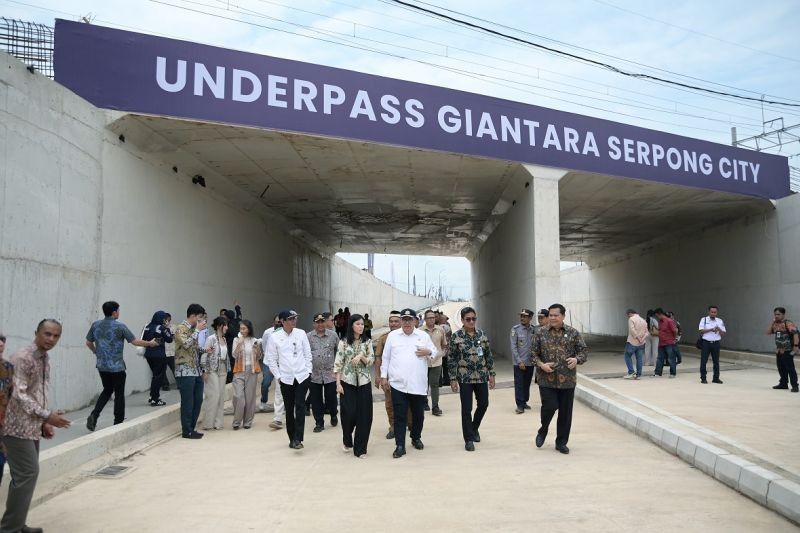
214	365
247	354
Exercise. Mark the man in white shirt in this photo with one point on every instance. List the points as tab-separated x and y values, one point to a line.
277	408
404	366
712	328
289	360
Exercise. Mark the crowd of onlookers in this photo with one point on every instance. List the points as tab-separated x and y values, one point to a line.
654	340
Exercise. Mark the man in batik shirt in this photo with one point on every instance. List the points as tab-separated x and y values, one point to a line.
557	349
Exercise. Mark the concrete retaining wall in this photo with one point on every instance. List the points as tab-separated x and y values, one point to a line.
746	267
85	218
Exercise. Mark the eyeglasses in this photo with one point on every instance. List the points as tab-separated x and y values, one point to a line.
470	319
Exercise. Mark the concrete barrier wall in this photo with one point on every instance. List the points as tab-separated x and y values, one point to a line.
746	267
85	218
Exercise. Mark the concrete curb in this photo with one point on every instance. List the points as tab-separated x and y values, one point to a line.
65	465
757	483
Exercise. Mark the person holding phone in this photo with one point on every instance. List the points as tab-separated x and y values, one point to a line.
787	344
712	329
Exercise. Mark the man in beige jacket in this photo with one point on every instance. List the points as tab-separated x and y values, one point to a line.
438	336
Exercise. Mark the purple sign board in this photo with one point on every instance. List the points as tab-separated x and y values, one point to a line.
140	73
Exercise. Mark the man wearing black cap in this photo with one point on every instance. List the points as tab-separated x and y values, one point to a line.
542	318
404	365
323	383
289	360
521	336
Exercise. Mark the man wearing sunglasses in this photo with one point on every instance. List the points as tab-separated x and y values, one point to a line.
289	360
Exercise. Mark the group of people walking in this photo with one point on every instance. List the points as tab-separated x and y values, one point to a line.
660	333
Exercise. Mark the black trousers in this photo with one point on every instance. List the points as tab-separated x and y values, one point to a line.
113	383
171	366
158	365
471	422
709	347
401	402
356	415
786	370
294	397
522	385
323	401
557	400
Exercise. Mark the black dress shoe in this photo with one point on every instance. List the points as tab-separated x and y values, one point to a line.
417	443
26	529
426	408
469	446
296	445
317	429
91	422
390	434
192	435
540	440
703	381
795	389
779	386
476	436
334	420
398	452
563	449
526	406
716	380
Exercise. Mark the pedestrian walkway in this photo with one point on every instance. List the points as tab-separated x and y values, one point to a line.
251	480
744	415
135	406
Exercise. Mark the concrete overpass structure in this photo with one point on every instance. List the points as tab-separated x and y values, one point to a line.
302	161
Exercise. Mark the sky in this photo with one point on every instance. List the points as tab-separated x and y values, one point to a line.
741	47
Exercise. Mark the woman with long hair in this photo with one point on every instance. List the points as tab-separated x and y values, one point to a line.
247	354
215	366
353	371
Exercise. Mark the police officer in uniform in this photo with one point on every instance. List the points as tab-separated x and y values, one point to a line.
521	336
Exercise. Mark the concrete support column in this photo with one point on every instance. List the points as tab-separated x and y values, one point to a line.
546	244
518	265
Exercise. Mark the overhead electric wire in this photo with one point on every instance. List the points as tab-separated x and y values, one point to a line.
466	73
474	75
701	34
645	106
449	47
743	103
606	66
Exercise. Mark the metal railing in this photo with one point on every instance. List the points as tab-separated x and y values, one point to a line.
29	42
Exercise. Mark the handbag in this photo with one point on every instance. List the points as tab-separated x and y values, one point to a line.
699	343
140	350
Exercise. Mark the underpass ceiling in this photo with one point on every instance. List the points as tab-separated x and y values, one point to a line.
603	216
350	196
360	197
